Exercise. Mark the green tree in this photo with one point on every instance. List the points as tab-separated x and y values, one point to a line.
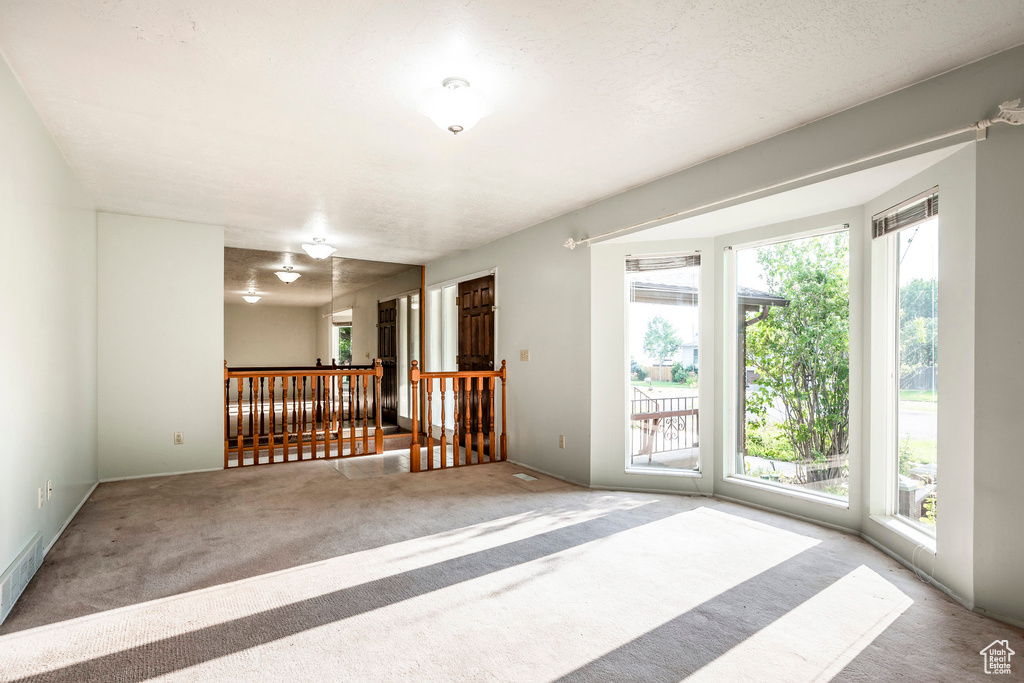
918	327
661	342
344	345
802	351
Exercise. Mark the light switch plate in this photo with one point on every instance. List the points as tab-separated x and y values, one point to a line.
179	438
524	354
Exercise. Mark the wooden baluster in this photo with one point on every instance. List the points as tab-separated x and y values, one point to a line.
414	449
504	419
456	431
480	419
354	383
329	427
444	429
352	396
300	396
366	414
284	416
378	434
492	450
430	423
273	419
227	414
241	462
252	412
258	423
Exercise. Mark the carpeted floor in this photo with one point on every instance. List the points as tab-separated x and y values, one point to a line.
298	573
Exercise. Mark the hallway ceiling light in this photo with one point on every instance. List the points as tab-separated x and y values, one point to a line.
251	297
287	275
318	249
454	106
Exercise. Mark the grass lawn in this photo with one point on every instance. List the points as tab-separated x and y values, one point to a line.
917	395
923	450
657	384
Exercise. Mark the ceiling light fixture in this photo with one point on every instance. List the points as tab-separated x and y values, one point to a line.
454	106
251	297
318	249
287	276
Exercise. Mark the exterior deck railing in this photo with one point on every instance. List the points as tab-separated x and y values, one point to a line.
662	425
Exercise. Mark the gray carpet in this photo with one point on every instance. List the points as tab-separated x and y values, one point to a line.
296	572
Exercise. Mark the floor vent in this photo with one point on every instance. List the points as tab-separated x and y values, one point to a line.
524	477
17	576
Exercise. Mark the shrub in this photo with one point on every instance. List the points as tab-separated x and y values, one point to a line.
636	370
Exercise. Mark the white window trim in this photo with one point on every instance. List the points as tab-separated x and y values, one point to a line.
631	468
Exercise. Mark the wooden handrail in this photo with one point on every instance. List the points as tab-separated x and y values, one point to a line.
317	414
470	391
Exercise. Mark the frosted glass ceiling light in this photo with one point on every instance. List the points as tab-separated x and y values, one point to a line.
287	275
318	249
251	297
454	106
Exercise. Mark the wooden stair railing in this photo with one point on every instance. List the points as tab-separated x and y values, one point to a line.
275	411
472	418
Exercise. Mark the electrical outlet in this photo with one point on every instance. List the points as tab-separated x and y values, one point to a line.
40	496
561	440
179	438
524	354
49	489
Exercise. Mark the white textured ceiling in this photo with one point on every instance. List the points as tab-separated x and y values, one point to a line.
285	119
319	281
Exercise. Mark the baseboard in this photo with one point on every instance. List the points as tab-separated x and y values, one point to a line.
669	492
963	602
999	617
560	477
68	520
159	474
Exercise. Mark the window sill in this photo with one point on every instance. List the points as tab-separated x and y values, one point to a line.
907	530
664	472
791	492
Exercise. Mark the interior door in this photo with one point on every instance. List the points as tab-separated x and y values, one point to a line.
476	350
387	351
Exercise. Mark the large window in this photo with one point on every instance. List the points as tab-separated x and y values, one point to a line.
663	337
912	230
793	363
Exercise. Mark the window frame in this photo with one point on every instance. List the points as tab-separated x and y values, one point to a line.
731	453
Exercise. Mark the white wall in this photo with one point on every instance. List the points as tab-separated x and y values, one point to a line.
999	372
364	310
543	298
257	335
161	345
48	323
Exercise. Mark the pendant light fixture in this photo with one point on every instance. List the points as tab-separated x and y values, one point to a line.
287	275
251	297
319	250
454	106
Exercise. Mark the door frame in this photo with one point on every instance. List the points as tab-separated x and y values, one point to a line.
432	334
403	422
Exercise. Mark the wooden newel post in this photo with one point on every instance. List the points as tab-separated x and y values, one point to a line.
378	435
227	415
414	448
504	414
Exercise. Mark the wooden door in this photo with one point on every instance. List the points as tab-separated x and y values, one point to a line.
476	350
387	351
